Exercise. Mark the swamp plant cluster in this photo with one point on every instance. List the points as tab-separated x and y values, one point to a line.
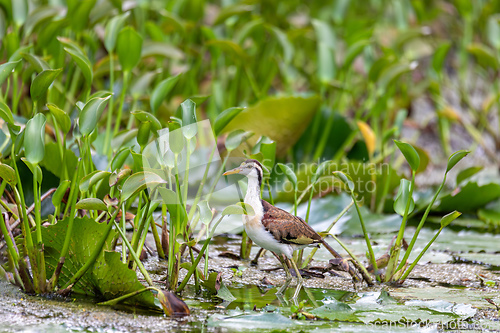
88	87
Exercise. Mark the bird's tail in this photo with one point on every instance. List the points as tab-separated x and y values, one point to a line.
350	270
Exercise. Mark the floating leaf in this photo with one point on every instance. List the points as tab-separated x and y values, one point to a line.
409	153
91	204
161	91
91	114
34	139
128	47
61	117
448	218
42	82
402	198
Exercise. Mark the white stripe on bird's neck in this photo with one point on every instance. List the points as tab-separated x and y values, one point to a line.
252	197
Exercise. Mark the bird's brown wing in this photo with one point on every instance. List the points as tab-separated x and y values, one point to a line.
287	228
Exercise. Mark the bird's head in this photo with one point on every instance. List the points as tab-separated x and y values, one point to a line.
250	168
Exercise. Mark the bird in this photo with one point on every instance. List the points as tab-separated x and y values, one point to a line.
274	229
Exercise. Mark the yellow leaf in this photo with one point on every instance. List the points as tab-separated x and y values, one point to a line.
368	136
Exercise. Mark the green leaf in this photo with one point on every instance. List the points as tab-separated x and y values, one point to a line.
283	119
6	69
391	73
335	310
326	46
287	47
267	147
206	214
78	13
34	139
485	57
320	170
410	154
225	294
176	140
120	158
128	47
235	138
38	64
467	173
60	192
448	218
455	158
144	116
232	10
91	204
8	174
225	118
91	114
42	82
229	47
112	29
292	177
138	182
189	127
161	91
177	212
353	51
54	163
6	113
240	208
93	178
402	198
61	117
161	49
34	168
83	63
346	179
440	56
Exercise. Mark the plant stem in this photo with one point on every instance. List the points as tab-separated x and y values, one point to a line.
126	75
359	265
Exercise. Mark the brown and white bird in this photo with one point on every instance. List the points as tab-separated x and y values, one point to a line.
275	229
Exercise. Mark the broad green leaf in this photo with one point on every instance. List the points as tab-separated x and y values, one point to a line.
34	168
206	214
6	69
83	63
91	114
38	16
225	118
54	163
141	85
120	158
470	197
138	182
467	173
92	178
234	139
292	177
402	198
6	113
79	12
189	127
20	9
176	140
42	82
368	136
240	208
455	158
91	204
38	63
409	153
345	179
268	149
62	118
144	116
326	45
143	133
161	91
128	48
320	170
484	55
8	174
112	29
287	47
440	56
448	218
34	139
232	10
335	310
282	119
60	192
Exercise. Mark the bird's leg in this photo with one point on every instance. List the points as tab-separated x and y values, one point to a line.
300	282
288	275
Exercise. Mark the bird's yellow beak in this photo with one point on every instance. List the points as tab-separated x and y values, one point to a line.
232	171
